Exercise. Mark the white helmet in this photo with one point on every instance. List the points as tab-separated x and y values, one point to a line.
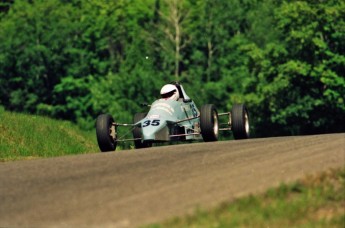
170	92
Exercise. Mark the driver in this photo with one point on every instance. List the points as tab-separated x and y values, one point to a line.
170	92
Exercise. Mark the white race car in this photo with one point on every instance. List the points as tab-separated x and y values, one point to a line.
174	120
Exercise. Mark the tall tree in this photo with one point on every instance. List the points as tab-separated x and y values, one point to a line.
216	64
301	79
32	38
173	37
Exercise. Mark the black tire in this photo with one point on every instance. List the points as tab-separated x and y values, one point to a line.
138	144
209	123
106	133
240	121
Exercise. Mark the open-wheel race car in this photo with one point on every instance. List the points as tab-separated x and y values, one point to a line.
174	117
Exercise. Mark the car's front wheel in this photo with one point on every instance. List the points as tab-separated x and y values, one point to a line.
240	121
106	133
209	123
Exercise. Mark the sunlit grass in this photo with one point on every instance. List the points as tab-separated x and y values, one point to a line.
28	136
316	201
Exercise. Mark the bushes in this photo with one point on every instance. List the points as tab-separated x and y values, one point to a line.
78	59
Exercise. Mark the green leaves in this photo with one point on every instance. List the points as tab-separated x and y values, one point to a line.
306	87
77	59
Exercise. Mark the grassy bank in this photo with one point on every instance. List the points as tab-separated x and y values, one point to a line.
28	136
316	201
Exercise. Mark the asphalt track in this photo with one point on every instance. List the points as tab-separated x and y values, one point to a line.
137	187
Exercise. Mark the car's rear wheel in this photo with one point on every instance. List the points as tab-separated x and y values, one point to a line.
240	121
209	123
106	133
138	144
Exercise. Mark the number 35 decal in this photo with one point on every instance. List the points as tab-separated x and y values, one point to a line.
152	123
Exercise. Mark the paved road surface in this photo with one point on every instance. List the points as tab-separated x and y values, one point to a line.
131	188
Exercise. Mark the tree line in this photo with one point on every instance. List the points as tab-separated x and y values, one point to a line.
76	59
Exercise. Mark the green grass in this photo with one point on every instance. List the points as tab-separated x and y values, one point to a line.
29	136
316	201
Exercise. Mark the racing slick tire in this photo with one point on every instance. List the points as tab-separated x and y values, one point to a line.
106	133
240	121
138	144
209	123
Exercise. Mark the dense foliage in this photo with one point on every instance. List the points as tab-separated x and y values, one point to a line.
76	59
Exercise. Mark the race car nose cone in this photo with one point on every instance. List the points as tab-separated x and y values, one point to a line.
148	133
156	131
